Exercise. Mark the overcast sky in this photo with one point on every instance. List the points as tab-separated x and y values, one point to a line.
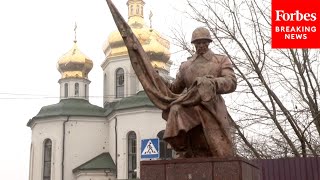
33	35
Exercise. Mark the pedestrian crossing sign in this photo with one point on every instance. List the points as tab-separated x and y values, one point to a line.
150	148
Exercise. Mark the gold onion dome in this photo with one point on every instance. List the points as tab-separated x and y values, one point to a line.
74	64
153	43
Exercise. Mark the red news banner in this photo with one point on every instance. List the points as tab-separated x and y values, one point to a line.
295	23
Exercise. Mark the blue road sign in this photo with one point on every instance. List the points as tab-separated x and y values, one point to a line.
150	148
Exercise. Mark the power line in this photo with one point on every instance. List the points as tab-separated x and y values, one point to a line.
18	94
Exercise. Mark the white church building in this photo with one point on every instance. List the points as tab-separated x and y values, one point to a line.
75	140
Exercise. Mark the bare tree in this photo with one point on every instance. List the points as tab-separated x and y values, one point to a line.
275	109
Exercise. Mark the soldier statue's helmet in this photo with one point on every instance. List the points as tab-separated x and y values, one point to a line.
201	33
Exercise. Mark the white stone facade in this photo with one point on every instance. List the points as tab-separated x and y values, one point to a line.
145	122
79	139
75	140
131	82
70	92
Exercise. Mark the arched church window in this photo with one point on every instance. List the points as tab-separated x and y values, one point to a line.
165	152
137	10
132	155
66	89
119	83
47	159
76	89
131	10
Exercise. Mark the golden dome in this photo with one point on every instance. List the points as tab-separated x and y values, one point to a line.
153	43
74	64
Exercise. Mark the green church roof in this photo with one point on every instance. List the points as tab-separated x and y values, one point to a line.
82	107
70	107
101	162
139	100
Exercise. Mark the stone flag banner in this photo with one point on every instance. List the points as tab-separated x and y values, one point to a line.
295	24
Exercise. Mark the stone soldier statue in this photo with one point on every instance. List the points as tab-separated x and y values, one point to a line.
198	124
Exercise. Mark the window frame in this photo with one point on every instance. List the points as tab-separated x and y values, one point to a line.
66	90
47	159
132	155
119	82
76	89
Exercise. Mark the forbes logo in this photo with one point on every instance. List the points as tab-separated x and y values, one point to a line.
281	15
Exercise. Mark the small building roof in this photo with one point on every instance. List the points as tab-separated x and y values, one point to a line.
101	162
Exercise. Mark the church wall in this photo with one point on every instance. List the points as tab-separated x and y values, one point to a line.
145	122
110	72
83	93
139	85
135	83
86	138
112	137
51	128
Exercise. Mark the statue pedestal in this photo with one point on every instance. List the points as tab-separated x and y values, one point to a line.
200	169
